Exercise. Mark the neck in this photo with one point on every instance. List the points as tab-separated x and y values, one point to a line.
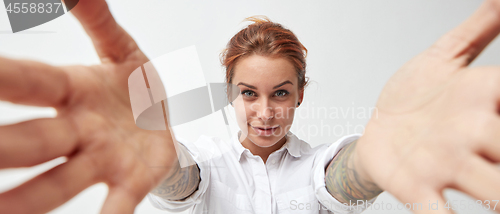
263	152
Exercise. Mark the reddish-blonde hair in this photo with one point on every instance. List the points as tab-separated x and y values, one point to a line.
265	38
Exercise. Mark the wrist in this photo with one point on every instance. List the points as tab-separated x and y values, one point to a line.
356	160
361	169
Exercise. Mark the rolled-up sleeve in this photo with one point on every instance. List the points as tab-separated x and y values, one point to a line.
318	177
197	196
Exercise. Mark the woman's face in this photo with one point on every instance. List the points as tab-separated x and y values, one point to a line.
268	97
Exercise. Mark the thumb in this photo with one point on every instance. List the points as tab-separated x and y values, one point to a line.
431	202
121	200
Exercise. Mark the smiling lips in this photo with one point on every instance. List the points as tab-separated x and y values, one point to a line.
265	130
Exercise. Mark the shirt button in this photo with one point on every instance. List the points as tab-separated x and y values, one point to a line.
273	162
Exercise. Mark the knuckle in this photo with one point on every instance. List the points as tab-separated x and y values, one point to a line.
482	130
490	76
494	5
91	162
462	171
447	46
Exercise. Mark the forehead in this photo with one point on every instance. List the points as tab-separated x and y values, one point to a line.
264	71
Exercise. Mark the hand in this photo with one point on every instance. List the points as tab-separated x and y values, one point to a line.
437	122
94	127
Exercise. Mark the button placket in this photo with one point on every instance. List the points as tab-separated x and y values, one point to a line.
262	195
272	170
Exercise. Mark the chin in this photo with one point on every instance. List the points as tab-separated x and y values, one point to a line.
265	141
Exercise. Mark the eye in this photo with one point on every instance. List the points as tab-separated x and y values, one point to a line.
281	93
248	93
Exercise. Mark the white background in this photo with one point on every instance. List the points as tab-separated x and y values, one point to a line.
354	47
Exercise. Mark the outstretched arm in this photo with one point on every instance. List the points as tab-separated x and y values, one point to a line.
180	182
94	127
343	179
437	125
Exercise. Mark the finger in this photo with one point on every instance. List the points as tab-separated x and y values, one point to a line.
111	42
490	145
32	83
492	151
50	189
497	90
121	201
127	192
479	179
431	202
488	132
36	141
465	42
424	198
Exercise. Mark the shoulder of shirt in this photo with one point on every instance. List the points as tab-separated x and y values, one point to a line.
207	147
307	150
201	140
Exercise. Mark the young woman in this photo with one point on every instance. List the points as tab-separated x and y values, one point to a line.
265	168
437	128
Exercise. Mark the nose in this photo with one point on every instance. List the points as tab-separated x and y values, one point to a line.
264	111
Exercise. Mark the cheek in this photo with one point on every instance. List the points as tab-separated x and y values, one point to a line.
241	113
286	115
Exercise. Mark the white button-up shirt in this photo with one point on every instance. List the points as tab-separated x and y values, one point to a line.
233	180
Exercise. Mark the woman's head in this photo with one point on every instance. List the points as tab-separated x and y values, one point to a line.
267	62
269	39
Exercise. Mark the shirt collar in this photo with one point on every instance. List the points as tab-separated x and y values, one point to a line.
292	145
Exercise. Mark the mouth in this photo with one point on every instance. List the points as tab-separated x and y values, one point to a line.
265	130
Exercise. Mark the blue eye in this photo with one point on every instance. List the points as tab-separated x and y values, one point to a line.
281	93
248	93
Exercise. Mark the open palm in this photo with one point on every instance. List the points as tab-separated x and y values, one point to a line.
438	123
94	127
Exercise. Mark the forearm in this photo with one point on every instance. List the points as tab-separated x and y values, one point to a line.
181	182
344	181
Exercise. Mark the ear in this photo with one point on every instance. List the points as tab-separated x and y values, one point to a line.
301	95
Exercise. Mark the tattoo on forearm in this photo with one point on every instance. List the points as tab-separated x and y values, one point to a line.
181	184
343	181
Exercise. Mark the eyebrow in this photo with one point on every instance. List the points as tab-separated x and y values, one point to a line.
277	86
